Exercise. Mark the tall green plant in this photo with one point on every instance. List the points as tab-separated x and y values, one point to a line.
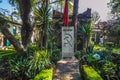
41	17
85	32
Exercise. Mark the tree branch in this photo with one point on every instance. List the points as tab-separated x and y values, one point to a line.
11	38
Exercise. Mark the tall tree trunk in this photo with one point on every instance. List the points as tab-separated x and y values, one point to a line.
74	19
26	30
75	12
11	38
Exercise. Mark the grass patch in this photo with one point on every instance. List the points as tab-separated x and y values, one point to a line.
90	74
44	75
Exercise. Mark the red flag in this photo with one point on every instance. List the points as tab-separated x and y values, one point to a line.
66	17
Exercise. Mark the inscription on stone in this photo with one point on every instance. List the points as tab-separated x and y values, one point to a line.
67	41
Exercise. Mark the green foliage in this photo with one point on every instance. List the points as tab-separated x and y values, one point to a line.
32	49
109	45
116	49
26	67
18	67
6	53
90	74
44	75
114	4
98	47
117	27
38	62
86	56
55	56
90	49
41	15
18	37
10	47
90	59
85	30
78	54
109	68
105	55
104	65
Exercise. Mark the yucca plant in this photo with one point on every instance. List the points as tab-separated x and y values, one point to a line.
41	17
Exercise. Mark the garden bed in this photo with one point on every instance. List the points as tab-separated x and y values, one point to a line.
45	75
104	61
89	73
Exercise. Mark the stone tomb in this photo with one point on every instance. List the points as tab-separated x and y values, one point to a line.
67	42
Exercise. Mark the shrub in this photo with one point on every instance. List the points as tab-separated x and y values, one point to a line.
90	74
18	67
78	54
26	67
37	63
109	68
109	44
55	56
44	75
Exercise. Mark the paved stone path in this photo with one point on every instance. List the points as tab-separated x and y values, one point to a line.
67	69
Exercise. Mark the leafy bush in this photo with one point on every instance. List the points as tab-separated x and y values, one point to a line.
18	67
109	44
55	56
90	74
90	49
37	63
105	56
108	68
98	47
26	67
44	75
78	54
116	49
7	53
